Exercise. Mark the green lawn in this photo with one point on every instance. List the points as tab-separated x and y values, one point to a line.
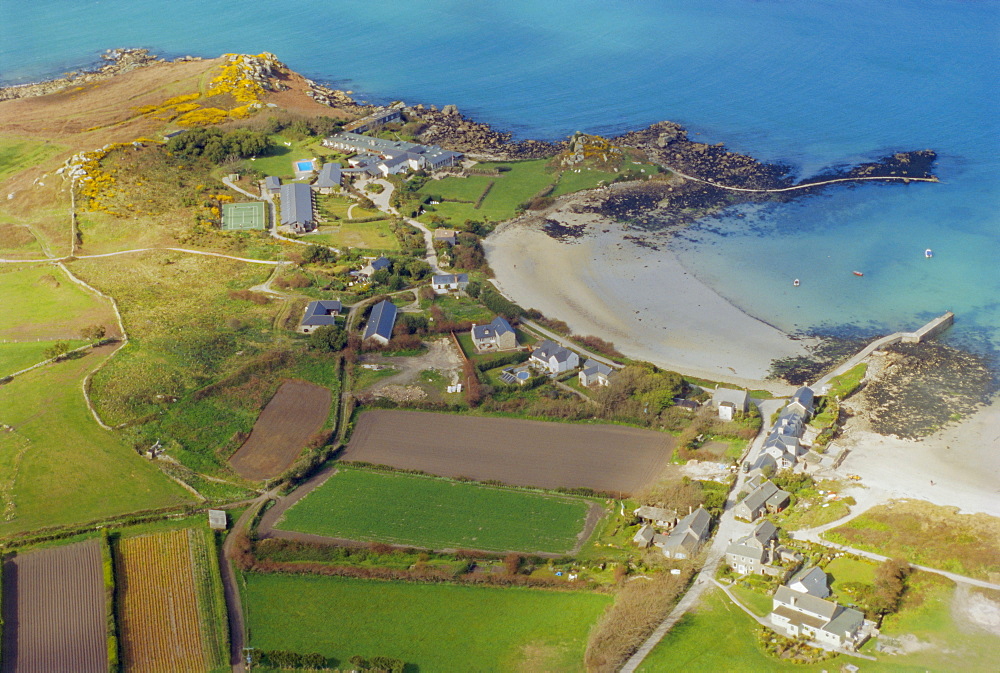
719	638
461	309
18	154
41	302
16	356
510	189
278	160
432	627
437	513
58	466
845	569
365	235
759	602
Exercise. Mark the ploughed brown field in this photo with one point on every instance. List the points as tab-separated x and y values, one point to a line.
525	453
295	413
53	611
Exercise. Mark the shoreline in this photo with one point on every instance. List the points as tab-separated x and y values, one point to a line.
603	283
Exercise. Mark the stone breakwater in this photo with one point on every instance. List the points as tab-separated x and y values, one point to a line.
118	61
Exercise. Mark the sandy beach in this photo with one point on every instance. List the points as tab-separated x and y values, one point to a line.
642	299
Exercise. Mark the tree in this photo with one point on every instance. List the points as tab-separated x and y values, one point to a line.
315	254
93	332
55	350
328	338
890	584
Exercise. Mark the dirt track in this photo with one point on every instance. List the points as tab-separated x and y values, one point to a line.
294	414
524	453
53	610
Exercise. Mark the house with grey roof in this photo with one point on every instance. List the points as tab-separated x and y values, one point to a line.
377	264
445	236
812	581
686	538
644	536
394	155
553	358
729	402
320	313
272	184
595	373
329	178
297	207
828	624
497	335
376	120
657	516
381	321
802	401
765	498
449	282
758	553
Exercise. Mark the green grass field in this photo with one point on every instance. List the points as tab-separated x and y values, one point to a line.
41	302
845	569
58	466
432	627
755	600
437	513
365	235
16	356
18	154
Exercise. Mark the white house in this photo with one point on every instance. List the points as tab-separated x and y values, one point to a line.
730	401
554	358
828	624
595	372
449	282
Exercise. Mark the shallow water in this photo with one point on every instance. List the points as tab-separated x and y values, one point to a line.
809	84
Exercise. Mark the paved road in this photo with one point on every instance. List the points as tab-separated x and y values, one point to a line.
381	202
563	341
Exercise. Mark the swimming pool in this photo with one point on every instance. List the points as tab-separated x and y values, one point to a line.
303	166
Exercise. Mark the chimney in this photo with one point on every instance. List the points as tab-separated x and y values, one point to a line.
689	510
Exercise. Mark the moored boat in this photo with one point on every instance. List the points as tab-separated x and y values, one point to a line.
928	253
857	273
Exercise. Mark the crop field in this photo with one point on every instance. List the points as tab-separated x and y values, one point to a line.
294	414
161	629
436	513
41	302
514	451
18	355
54	611
433	628
79	473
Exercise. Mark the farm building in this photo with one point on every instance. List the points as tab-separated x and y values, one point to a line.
217	519
329	178
381	322
495	336
319	313
658	516
449	282
244	216
297	207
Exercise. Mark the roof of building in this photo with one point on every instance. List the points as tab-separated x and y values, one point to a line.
381	320
799	619
777	498
655	513
380	263
805	602
444	233
696	523
759	496
450	278
492	330
296	203
804	396
847	621
644	534
592	368
764	532
547	350
746	551
272	182
738	398
217	519
329	176
321	312
813	581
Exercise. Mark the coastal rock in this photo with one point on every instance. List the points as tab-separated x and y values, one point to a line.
119	61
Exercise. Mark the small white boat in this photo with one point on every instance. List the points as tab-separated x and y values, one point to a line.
795	282
928	253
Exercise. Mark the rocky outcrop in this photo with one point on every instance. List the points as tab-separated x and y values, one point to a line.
119	61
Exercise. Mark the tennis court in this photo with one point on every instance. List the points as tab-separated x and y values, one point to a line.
241	216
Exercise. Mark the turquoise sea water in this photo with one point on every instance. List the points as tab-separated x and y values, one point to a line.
809	84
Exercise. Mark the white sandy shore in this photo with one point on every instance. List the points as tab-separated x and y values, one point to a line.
958	466
641	299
